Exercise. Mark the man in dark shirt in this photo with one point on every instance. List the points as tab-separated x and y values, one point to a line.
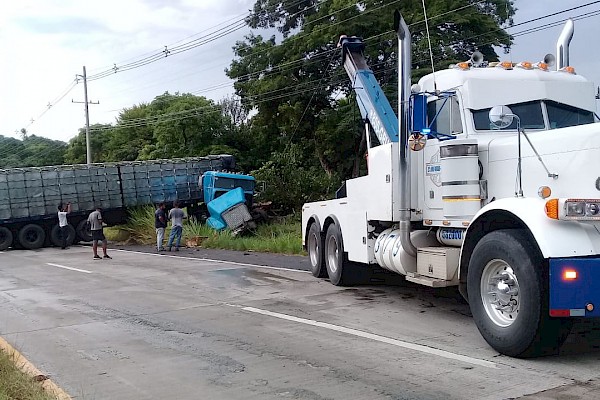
160	223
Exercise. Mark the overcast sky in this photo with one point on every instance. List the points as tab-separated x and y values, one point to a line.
44	44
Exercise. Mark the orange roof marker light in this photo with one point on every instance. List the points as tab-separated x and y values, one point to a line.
541	65
464	66
525	65
568	69
505	64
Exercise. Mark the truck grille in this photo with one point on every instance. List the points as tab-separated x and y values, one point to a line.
236	216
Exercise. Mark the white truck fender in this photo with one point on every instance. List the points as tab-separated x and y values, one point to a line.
554	238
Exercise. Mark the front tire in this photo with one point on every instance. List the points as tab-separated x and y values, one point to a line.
315	245
507	283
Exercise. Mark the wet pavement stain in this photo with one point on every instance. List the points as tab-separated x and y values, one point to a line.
248	277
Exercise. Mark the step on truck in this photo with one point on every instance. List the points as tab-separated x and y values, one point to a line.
29	197
489	180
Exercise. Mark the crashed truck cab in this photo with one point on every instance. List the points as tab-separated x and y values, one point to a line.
228	197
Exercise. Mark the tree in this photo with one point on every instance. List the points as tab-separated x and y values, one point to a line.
76	152
291	85
31	151
184	125
130	135
179	125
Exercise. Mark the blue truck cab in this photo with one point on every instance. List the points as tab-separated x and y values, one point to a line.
217	183
228	197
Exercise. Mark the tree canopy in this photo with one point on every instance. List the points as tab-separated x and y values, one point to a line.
31	151
299	91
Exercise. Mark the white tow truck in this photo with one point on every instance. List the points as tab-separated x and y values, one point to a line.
489	180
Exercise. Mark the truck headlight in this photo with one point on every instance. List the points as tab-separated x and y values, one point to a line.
582	209
592	209
574	209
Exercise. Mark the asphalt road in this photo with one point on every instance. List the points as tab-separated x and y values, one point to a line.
188	325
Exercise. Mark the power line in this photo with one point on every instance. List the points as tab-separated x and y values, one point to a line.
530	30
234	26
150	120
53	103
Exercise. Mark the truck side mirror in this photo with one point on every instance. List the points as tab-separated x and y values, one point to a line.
418	140
501	116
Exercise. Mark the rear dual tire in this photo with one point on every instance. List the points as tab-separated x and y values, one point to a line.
56	235
315	245
341	271
31	236
6	238
83	231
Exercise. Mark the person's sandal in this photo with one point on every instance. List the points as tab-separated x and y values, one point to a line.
108	257
97	258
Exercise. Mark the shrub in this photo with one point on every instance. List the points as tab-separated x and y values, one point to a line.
290	183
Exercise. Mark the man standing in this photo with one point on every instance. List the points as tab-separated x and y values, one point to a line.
63	223
160	223
176	216
95	221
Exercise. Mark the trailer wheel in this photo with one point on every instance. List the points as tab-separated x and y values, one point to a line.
31	236
83	232
508	290
315	245
56	235
6	238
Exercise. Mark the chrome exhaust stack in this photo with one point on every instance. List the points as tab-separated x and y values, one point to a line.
562	45
404	75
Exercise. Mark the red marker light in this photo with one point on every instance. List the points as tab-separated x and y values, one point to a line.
569	275
560	313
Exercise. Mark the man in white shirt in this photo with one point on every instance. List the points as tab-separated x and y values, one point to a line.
63	223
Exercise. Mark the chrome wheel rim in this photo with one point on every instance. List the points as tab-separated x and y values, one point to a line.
332	254
313	249
500	292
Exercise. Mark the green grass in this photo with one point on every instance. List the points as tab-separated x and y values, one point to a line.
16	385
280	236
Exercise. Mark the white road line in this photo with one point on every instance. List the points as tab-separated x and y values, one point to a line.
216	261
70	268
378	338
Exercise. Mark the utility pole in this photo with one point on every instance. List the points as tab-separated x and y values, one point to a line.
87	116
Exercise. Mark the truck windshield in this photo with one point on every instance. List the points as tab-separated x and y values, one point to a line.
562	115
230	183
530	114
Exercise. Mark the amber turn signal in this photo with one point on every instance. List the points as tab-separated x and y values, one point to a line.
544	192
551	208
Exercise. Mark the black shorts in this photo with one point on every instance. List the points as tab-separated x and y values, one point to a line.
98	235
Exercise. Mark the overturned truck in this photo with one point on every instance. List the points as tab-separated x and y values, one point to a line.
29	197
